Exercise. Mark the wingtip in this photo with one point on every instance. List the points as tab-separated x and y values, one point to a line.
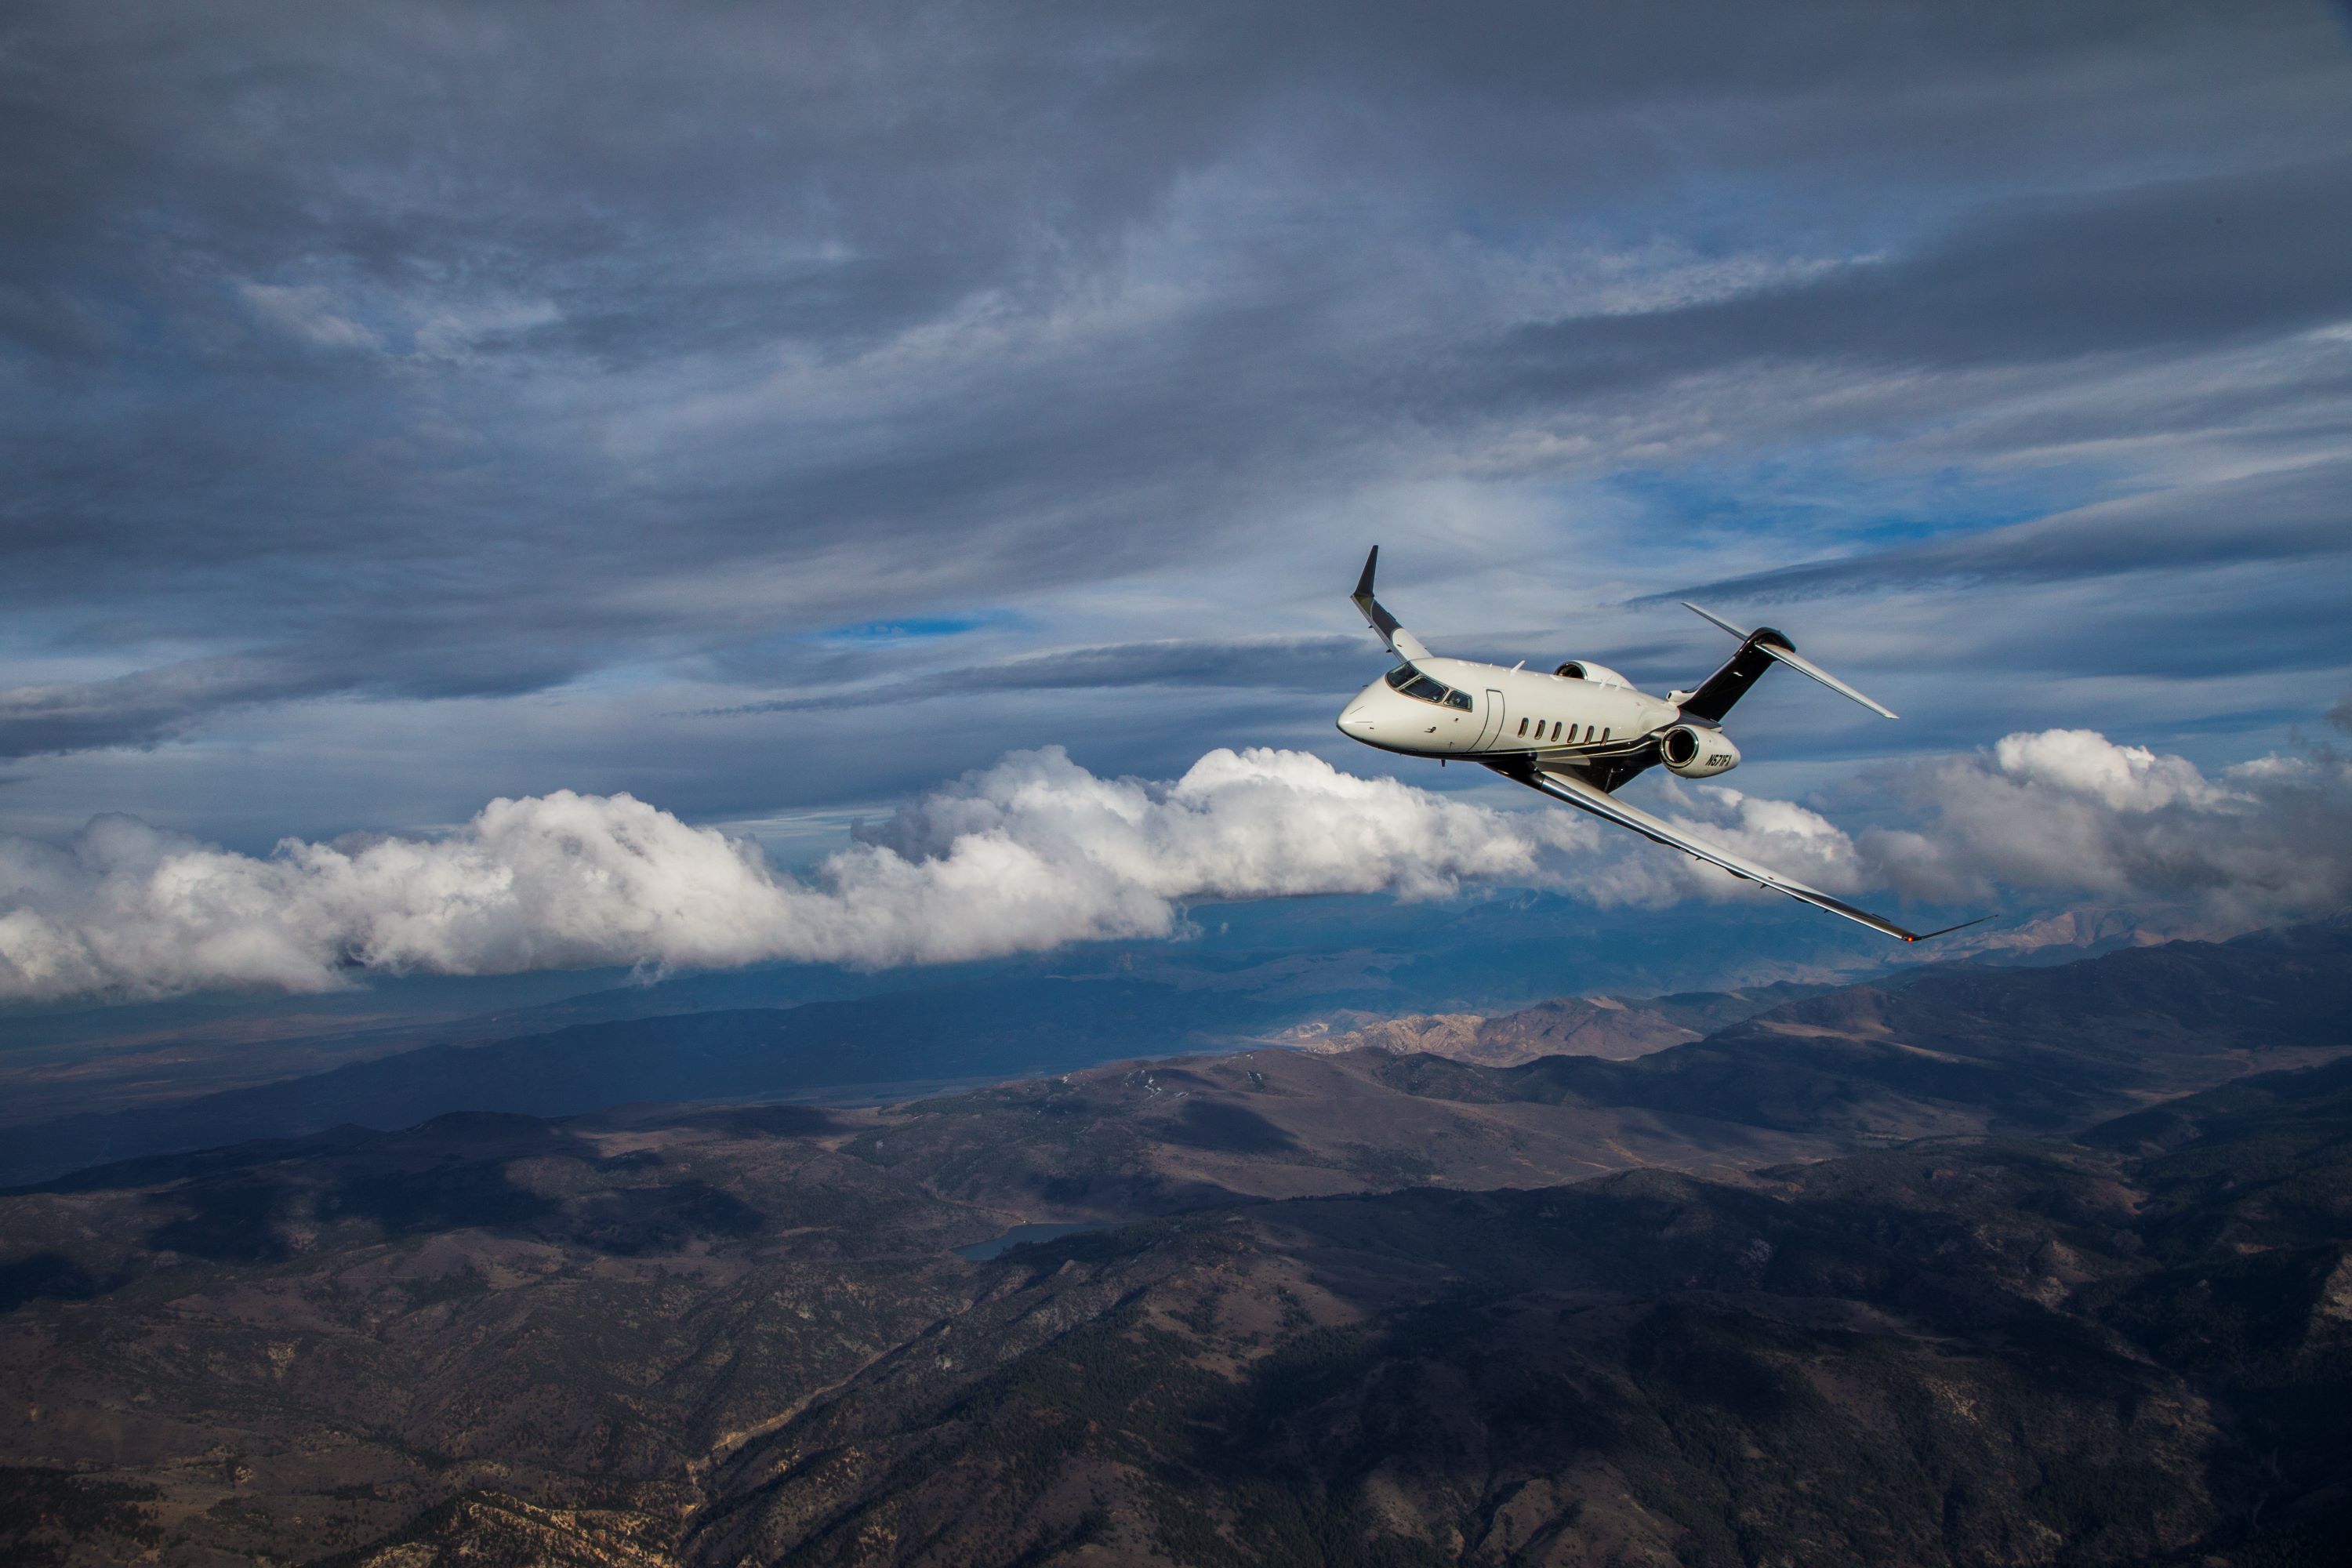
1372	563
1930	935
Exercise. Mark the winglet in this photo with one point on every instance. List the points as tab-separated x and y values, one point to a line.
1400	642
1930	935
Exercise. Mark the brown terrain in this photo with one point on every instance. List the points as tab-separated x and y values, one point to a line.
2002	1266
1564	1027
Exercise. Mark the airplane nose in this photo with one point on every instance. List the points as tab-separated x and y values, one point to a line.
1352	722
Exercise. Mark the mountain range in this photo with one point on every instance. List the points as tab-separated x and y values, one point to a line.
2017	1266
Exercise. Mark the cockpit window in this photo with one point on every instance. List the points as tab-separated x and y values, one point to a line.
1412	683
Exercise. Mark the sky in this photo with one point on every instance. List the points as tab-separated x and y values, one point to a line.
799	416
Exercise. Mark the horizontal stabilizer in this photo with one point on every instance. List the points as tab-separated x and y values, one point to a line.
1718	620
1774	646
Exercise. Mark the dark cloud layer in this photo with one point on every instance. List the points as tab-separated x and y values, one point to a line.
384	388
2164	267
2293	514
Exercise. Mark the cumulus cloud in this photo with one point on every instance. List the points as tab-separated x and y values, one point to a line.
1027	855
1036	852
2070	812
2049	815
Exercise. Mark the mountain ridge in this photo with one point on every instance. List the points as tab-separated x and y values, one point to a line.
1359	1307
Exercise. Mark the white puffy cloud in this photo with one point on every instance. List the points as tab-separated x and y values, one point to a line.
2053	815
2070	812
2085	764
1036	851
1027	855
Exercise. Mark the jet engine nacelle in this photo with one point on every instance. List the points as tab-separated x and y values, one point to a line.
1696	753
1598	674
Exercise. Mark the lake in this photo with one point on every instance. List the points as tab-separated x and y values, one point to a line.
981	1251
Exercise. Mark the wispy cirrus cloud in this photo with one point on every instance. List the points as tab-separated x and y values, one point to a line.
1284	663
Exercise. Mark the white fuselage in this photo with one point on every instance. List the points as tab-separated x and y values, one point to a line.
1580	732
1494	712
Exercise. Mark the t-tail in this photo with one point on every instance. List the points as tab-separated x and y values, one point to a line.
1759	650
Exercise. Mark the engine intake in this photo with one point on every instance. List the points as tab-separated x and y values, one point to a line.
1598	674
1692	753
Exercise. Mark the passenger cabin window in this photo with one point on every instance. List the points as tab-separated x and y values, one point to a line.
1523	728
1555	729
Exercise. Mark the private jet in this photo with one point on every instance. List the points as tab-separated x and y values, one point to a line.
1580	732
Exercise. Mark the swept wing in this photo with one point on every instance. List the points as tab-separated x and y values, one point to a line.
1566	787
